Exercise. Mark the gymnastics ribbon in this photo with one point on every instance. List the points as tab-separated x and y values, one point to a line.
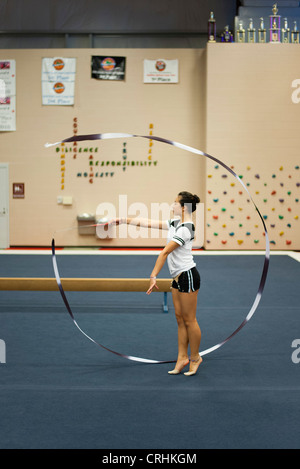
106	136
62	292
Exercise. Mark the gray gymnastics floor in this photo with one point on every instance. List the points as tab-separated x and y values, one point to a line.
58	390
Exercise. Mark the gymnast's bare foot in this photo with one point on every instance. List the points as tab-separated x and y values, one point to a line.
180	364
194	365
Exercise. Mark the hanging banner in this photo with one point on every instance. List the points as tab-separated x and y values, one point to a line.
108	68
58	81
160	71
7	95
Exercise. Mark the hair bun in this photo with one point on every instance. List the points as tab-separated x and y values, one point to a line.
189	198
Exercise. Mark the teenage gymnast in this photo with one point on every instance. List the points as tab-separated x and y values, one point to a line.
186	278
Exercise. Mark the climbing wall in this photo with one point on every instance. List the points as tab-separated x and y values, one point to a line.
252	125
232	221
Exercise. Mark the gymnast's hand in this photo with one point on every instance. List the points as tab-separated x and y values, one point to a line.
117	221
152	285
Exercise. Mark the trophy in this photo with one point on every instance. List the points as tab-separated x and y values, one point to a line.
275	26
251	32
240	33
211	28
262	36
285	32
295	34
226	36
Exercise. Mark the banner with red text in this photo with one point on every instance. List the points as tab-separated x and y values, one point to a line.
58	81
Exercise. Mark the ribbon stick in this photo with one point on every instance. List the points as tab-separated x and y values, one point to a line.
181	146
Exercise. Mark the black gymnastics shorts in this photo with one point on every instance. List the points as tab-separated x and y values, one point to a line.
187	281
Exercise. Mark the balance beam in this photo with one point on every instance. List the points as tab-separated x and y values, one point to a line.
82	284
85	284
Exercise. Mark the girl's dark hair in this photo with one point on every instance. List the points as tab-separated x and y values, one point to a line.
188	198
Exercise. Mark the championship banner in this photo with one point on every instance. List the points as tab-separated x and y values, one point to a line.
58	81
161	71
7	95
108	68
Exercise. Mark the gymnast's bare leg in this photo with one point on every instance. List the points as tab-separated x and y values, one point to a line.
189	332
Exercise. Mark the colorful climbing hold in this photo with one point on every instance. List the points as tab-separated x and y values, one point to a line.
240	241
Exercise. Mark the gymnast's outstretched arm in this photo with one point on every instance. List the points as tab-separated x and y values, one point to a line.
143	222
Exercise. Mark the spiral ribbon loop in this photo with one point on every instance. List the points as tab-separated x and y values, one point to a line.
181	146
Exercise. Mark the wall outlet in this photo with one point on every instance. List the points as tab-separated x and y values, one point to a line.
59	199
